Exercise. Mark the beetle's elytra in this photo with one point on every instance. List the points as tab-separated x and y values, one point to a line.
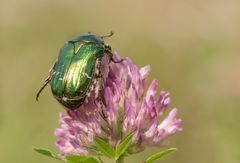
77	67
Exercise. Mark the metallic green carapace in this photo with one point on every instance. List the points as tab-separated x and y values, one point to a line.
76	68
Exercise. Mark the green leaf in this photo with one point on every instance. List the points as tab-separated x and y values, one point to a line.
159	155
105	148
48	153
81	159
123	146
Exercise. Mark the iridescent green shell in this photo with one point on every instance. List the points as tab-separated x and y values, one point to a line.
75	69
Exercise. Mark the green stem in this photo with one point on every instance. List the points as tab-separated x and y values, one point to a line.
120	160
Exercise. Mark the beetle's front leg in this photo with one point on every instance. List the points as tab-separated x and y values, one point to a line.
119	61
114	59
99	94
47	80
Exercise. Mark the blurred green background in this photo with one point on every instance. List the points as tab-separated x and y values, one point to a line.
193	48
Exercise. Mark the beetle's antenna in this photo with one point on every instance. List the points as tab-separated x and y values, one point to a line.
109	35
41	89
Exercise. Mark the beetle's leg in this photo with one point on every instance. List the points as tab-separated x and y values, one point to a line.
98	88
99	95
46	81
44	85
108	51
116	61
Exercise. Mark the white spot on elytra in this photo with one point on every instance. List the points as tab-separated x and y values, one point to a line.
85	74
64	99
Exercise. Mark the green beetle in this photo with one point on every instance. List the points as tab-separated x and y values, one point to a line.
77	69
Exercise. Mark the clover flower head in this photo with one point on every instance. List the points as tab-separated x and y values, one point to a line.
126	107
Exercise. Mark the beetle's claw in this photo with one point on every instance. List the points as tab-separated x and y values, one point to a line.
37	97
38	94
117	61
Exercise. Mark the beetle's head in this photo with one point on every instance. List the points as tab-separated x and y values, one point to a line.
107	47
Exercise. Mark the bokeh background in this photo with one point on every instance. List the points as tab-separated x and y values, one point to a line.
193	47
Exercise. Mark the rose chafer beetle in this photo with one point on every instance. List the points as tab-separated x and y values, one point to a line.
77	68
